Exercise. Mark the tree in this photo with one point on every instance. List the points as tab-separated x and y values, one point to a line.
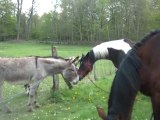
7	19
29	22
19	10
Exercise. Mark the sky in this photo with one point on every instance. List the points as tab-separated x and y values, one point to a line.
42	6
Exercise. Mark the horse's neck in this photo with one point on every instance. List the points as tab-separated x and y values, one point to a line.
101	50
92	58
116	56
100	53
120	109
122	96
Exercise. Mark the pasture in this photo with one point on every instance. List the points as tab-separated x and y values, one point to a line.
76	104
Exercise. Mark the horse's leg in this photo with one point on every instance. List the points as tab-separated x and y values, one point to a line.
32	95
4	106
156	106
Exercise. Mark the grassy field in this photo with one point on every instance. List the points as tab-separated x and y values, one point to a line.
76	104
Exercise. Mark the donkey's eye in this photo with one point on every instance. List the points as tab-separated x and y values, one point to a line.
72	70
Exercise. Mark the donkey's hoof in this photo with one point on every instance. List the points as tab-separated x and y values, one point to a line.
37	106
70	87
8	111
30	110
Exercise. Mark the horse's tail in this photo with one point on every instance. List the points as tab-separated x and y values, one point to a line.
101	113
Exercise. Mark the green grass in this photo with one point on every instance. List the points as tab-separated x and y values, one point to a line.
76	104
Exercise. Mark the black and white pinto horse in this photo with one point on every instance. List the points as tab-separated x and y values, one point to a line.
32	70
114	50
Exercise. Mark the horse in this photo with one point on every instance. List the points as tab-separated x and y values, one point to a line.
32	70
139	71
114	51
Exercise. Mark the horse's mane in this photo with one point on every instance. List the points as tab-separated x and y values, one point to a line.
130	42
146	38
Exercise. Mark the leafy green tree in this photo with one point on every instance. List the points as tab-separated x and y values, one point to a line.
19	10
46	28
7	19
82	20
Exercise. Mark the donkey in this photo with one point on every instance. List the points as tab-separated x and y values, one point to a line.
114	50
27	86
32	70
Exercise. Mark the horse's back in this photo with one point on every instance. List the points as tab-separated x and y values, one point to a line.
150	71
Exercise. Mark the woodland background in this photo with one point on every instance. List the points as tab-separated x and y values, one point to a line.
80	21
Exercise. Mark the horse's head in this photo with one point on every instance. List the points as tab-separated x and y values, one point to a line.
70	73
86	66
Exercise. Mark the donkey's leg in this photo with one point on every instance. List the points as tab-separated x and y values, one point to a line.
36	105
27	88
1	96
32	95
2	104
156	106
68	84
55	82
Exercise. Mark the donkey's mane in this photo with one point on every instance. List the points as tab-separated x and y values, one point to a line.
146	38
56	57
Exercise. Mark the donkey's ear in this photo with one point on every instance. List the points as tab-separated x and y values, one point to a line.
75	60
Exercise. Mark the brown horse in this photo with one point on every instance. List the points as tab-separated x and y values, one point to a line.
139	71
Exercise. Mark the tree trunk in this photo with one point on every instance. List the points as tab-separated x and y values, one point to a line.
55	77
28	32
19	10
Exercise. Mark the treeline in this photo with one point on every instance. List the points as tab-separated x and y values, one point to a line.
80	20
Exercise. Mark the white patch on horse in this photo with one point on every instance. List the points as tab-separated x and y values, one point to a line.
101	50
